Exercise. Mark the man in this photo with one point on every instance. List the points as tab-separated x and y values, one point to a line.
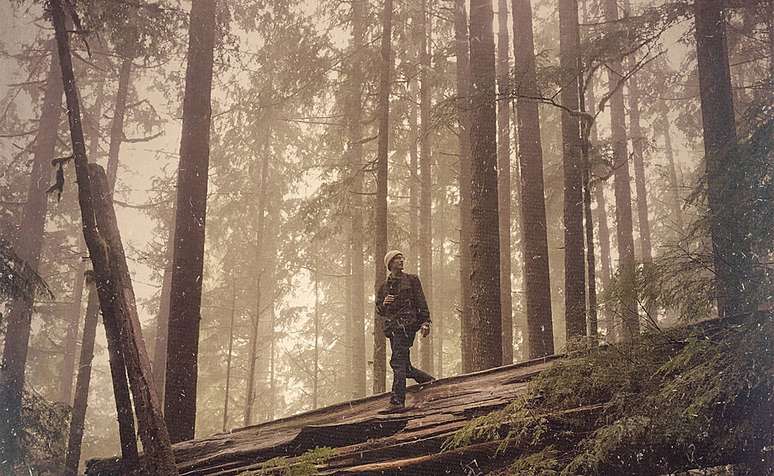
401	302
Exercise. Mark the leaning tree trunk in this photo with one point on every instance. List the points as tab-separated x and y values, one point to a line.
28	247
486	317
623	195
380	212
117	365
464	177
574	262
504	177
82	381
725	188
70	342
190	217
112	274
540	336
425	175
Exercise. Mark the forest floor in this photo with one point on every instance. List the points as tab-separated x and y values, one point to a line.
695	397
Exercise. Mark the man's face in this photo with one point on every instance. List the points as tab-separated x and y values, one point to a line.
396	264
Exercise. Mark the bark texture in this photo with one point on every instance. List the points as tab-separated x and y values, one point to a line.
462	72
540	336
486	341
574	265
426	178
357	238
190	217
504	176
28	248
728	224
380	212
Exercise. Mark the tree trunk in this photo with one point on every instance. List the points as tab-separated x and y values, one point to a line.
674	184
574	262
226	393
461	45
127	434
504	177
190	216
485	240
117	128
70	343
118	305
623	196
441	308
27	246
316	372
599	198
357	280
112	274
82	384
728	223
425	173
638	146
540	336
162	320
380	212
638	158
261	268
272	380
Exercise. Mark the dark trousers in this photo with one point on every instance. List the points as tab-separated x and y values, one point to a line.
401	366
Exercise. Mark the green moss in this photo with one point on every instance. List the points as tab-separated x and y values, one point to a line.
304	465
674	400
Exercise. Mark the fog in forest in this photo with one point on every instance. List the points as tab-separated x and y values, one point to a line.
488	141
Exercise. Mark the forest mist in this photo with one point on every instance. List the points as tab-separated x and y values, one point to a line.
291	236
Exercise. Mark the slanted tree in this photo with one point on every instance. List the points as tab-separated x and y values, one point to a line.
574	259
540	336
486	341
28	248
190	217
109	262
380	208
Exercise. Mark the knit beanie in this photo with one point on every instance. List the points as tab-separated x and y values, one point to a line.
389	256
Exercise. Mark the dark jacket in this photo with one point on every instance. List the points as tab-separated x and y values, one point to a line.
409	310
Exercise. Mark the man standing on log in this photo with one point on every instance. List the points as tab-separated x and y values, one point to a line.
401	302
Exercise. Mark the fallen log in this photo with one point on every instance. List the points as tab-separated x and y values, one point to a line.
356	430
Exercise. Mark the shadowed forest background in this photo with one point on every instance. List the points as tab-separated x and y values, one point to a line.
560	174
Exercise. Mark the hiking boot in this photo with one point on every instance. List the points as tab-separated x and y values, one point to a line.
394	407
